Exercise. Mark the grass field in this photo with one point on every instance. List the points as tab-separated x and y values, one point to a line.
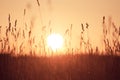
15	40
65	67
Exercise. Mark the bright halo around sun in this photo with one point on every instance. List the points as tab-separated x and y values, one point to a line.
55	41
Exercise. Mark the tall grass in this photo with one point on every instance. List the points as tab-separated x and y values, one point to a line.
18	39
86	44
111	37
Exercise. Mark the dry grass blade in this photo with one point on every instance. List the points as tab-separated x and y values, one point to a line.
6	32
87	25
82	27
66	31
103	19
21	45
23	34
15	23
18	33
9	28
9	22
71	27
50	30
114	26
38	2
9	18
26	26
24	12
29	33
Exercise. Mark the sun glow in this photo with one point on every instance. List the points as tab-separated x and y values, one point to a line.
55	41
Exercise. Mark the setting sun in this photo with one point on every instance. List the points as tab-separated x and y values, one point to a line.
55	41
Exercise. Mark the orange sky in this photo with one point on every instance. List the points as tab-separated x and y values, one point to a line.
62	13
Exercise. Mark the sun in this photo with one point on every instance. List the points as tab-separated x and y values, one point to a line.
55	41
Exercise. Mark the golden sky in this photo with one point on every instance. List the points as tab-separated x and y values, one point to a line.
62	13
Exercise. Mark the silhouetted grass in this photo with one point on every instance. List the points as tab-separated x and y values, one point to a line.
65	67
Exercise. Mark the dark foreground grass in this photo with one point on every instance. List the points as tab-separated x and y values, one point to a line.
67	67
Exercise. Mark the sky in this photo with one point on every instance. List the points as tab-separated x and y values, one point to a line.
63	13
